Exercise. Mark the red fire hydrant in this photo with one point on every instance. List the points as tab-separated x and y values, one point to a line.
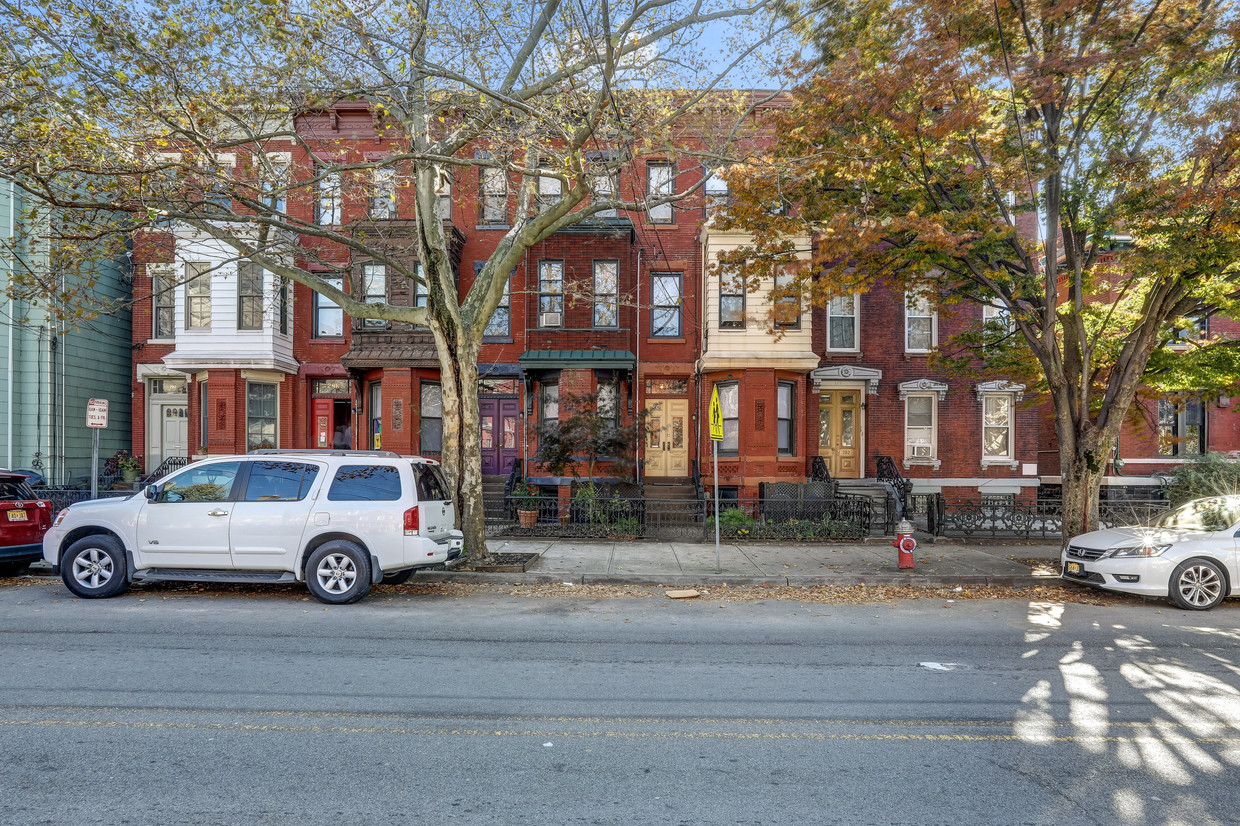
905	543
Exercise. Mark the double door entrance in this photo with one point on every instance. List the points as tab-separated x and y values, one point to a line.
498	424
841	431
667	439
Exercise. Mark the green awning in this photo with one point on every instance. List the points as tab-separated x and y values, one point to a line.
567	359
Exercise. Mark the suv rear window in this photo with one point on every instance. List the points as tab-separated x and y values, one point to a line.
15	490
432	486
365	483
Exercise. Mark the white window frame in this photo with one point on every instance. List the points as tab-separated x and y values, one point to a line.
551	290
320	303
856	323
1009	457
165	299
443	193
370	271
276	387
606	302
194	283
328	197
660	184
909	448
382	202
916	305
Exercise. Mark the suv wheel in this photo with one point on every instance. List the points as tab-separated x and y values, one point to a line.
1197	585
338	572
94	567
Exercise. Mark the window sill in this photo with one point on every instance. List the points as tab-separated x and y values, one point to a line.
997	462
934	463
908	353
327	340
492	226
723	328
855	351
161	341
665	340
496	340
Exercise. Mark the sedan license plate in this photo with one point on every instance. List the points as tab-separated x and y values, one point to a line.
18	516
1074	568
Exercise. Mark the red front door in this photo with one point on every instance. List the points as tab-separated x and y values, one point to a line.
498	423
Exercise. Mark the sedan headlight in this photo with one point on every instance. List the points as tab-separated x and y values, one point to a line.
1139	551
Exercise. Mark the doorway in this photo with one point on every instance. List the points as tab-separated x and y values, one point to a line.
841	431
332	424
497	419
667	443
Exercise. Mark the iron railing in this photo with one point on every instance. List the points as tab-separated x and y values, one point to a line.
899	488
62	498
167	466
1006	517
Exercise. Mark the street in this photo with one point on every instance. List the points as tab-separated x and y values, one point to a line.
170	707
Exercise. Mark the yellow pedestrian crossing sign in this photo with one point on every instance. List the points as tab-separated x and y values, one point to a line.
716	417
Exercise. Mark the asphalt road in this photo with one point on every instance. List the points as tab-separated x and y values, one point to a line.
209	708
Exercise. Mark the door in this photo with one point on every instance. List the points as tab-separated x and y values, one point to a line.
269	518
187	524
667	445
498	424
322	424
174	431
841	432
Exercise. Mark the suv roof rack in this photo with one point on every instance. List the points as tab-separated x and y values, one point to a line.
322	451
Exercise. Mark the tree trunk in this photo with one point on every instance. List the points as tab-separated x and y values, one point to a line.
1081	480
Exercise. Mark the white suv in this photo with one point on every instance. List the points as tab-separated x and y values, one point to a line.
337	520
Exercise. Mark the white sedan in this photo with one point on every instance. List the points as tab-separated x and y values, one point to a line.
1188	556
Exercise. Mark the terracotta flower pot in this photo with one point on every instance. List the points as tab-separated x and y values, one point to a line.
528	518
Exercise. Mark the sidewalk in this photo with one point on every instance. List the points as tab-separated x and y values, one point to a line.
652	563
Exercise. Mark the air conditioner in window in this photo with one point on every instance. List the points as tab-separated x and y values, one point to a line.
549	320
921	451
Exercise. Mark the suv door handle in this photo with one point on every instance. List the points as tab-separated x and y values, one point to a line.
217	512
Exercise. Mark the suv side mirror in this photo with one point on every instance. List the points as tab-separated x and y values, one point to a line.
151	492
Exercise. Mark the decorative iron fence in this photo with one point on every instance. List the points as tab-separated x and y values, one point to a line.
846	516
62	498
1005	517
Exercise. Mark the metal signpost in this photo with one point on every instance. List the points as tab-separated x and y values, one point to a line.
96	420
716	436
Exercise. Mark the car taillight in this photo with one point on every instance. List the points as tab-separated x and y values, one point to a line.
411	521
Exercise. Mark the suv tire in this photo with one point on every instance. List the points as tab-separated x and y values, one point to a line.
338	572
94	567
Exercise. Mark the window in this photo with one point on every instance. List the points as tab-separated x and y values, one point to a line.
432	418
328	315
550	293
606	306
197	296
785	416
731	301
608	403
549	403
920	444
493	187
500	324
365	483
997	427
204	420
277	481
376	415
201	482
550	191
217	185
383	193
421	294
659	185
327	206
665	304
1181	427
284	288
604	187
432	485
997	314
787	309
919	324
443	192
716	190
842	326
168	386
374	290
275	184
249	296
729	407
260	416
163	303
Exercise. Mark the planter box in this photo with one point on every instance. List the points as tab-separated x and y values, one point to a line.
508	563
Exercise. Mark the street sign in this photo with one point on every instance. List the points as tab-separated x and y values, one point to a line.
716	417
97	413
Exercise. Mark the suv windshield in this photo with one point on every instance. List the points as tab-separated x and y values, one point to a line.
1214	514
432	486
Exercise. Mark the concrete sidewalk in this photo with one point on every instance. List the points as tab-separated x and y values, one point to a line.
688	563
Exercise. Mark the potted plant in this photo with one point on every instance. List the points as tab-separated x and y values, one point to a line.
526	498
128	464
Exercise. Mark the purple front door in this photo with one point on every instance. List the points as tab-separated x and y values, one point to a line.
498	420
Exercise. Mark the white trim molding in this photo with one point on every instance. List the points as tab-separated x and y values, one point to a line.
923	386
1000	386
846	372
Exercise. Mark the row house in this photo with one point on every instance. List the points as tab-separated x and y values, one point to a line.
228	358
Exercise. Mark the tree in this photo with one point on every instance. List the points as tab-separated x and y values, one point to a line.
591	431
169	111
1071	164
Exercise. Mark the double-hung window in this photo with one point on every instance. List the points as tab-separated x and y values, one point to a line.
421	293
383	193
275	181
549	404
284	308
919	324
1181	428
787	302
260	416
997	427
329	197
716	191
197	296
431	427
249	296
729	408
443	194
608	404
374	290
550	191
785	417
603	185
328	315
606	288
500	323
493	191
731	300
842	323
659	184
163	301
920	427
665	304
550	293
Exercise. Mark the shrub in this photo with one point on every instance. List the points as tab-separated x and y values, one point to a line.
1213	474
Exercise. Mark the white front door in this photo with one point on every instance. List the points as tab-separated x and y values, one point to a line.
175	431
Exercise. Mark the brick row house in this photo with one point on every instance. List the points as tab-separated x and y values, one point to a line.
227	358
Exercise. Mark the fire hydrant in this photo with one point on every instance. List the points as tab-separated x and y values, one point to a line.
905	543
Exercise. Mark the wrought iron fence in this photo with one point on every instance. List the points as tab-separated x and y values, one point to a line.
845	516
62	498
1006	517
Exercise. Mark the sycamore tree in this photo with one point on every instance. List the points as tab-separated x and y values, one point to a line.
183	116
1071	164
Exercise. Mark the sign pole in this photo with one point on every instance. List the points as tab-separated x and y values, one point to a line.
94	463
716	436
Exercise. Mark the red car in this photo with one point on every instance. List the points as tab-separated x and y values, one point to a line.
24	518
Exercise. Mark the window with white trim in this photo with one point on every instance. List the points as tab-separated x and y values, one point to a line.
608	403
197	296
787	309
430	433
603	185
843	326
500	324
920	324
606	289
330	195
249	296
716	190
261	416
550	191
328	315
443	193
665	304
550	293
731	300
383	192
374	290
998	427
659	184
729	409
493	185
785	417
1181	427
921	427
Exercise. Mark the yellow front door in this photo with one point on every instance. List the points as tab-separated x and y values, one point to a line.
667	440
839	432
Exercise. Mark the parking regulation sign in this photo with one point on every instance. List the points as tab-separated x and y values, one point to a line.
97	413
